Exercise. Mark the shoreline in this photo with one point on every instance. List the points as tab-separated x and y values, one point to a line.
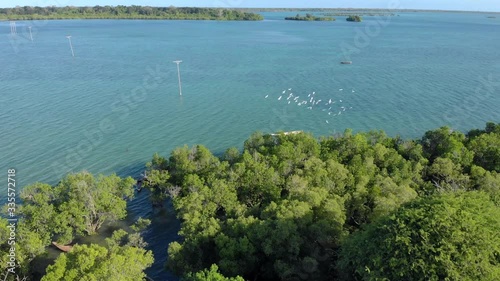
352	10
152	19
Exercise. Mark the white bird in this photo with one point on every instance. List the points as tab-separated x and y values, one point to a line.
341	89
340	100
314	93
288	102
353	91
279	98
284	91
326	121
267	96
330	101
340	112
329	113
290	89
308	95
344	109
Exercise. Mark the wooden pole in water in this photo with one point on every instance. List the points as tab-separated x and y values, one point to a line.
179	76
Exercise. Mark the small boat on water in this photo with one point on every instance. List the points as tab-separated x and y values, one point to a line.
64	248
346	62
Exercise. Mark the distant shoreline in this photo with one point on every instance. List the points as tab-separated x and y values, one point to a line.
348	10
364	10
191	13
126	12
151	19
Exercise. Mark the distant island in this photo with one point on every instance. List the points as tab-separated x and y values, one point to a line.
358	11
310	17
361	13
125	12
354	18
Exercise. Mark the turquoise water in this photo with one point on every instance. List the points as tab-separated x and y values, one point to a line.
417	72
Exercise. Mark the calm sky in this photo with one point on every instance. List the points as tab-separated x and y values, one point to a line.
474	5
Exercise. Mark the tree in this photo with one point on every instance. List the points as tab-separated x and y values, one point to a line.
451	236
94	262
90	202
78	205
157	179
354	18
38	211
486	148
445	142
447	175
211	274
27	244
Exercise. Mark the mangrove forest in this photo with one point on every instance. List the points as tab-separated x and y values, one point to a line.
287	206
125	12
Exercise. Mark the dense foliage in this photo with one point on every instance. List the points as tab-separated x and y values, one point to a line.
453	236
288	206
361	206
354	18
122	259
309	17
77	206
124	12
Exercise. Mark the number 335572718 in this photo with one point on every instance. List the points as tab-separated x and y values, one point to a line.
11	188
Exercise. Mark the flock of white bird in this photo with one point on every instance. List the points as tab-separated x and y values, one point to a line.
331	106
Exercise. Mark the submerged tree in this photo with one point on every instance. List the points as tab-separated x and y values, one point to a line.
78	205
118	261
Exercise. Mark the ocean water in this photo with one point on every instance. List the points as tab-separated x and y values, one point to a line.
114	104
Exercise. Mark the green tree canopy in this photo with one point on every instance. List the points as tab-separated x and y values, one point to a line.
209	275
78	205
92	262
452	236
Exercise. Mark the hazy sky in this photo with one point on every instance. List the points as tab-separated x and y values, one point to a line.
475	5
